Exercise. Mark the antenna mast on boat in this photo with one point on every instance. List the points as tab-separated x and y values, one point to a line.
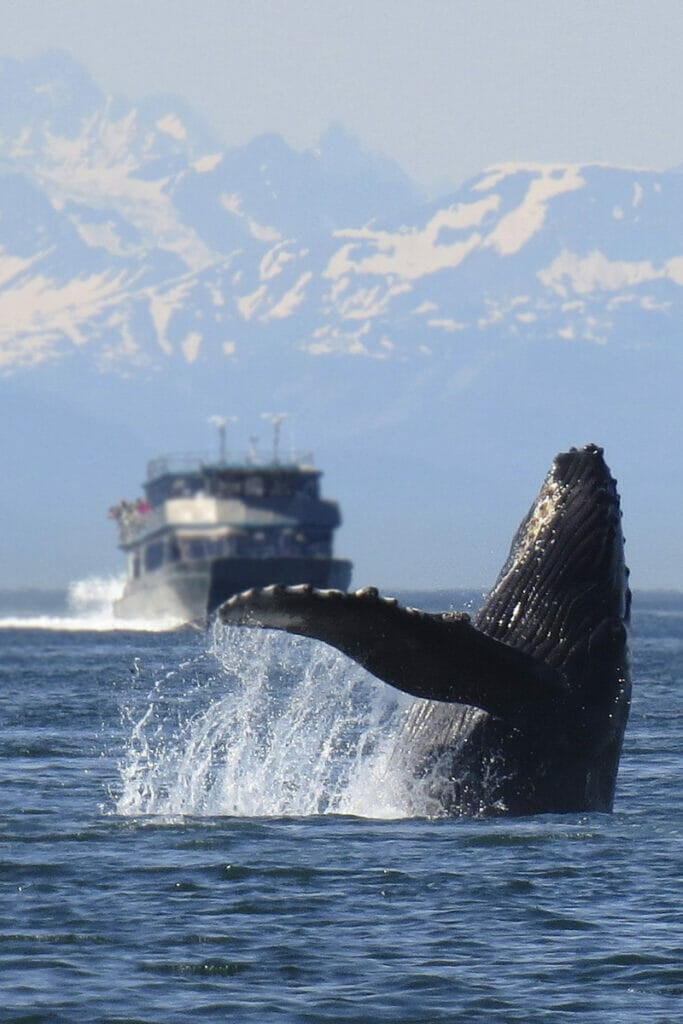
252	454
221	422
276	419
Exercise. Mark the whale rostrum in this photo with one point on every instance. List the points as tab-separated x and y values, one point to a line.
524	707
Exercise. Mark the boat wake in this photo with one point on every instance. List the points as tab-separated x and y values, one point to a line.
88	607
283	727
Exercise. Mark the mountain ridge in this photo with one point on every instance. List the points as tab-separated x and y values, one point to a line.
150	276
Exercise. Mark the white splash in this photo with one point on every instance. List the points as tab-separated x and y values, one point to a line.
89	608
286	727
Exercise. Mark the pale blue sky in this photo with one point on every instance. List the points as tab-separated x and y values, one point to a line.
446	88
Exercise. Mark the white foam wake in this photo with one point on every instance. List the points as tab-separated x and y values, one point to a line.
285	727
89	607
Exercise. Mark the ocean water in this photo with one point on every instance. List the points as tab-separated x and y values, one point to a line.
209	827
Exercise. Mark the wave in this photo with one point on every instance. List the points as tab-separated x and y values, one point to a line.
89	606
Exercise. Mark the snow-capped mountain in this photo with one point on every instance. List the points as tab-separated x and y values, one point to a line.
119	221
128	232
134	247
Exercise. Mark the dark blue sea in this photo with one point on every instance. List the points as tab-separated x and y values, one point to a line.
209	827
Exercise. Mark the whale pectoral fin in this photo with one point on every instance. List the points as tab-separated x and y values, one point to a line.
440	657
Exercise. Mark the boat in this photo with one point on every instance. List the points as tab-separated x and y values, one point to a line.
207	530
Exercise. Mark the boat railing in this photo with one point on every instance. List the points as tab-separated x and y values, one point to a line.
189	462
132	522
177	462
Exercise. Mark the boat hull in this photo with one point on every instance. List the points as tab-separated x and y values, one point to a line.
192	591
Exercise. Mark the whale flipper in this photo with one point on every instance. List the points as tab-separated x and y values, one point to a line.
465	665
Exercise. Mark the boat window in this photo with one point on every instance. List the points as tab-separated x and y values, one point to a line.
228	488
154	556
254	487
309	488
196	549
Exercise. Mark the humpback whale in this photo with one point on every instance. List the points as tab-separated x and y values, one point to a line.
523	709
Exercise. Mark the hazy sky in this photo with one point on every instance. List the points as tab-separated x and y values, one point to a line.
446	88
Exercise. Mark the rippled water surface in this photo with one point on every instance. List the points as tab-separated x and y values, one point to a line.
210	828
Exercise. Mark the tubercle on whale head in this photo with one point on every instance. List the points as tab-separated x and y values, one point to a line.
581	468
566	570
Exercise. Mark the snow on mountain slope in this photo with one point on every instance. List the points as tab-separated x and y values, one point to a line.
129	234
138	210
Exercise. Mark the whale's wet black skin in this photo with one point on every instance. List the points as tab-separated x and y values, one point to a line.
525	707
